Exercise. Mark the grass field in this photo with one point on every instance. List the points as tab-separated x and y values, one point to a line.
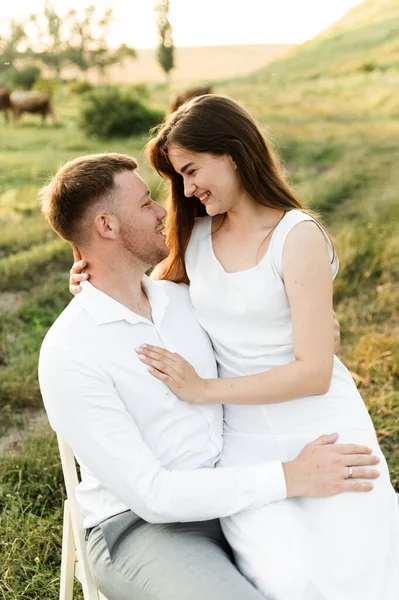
335	122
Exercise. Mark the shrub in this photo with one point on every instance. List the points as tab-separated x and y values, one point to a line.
367	67
45	84
108	112
80	87
141	90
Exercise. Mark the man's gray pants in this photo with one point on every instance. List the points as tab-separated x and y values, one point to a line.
135	560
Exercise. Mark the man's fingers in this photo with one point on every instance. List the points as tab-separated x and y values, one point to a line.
353	460
351	485
326	439
364	473
352	449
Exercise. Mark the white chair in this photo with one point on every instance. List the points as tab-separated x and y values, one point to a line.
74	560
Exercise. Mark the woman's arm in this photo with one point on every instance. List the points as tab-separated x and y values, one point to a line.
308	282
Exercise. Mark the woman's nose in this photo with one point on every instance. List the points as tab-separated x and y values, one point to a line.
189	188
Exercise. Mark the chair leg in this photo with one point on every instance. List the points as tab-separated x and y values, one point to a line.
68	557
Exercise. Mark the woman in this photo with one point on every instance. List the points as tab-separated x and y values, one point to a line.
260	271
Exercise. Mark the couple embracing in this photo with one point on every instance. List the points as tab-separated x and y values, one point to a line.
225	451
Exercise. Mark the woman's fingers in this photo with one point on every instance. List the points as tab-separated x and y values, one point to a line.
75	289
158	354
78	267
158	350
160	365
78	278
76	253
162	377
74	282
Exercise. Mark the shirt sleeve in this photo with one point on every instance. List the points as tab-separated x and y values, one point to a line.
84	407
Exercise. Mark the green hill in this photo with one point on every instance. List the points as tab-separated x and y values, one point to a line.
365	39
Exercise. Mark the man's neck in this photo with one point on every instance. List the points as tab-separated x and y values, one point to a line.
122	282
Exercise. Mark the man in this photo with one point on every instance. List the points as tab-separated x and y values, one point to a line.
149	493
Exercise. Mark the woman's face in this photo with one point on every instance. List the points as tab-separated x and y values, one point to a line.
213	179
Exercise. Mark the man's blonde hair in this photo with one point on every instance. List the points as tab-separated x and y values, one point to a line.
77	186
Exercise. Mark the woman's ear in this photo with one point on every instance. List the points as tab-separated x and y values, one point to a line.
233	162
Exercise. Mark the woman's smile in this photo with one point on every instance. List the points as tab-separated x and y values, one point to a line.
204	197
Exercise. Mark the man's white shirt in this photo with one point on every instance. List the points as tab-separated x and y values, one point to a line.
138	445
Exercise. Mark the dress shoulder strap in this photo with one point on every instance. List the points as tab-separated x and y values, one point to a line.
287	223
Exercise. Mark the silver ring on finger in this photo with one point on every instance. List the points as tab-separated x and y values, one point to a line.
350	473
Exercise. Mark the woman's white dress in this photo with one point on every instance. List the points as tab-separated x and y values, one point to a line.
344	547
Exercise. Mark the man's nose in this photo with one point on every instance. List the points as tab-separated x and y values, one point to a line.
161	212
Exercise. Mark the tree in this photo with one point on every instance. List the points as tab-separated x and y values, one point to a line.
51	39
104	57
76	38
89	44
166	49
11	44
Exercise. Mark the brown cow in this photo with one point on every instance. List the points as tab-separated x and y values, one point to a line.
33	102
5	103
187	95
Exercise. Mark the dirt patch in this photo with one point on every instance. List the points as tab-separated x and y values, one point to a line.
10	301
32	421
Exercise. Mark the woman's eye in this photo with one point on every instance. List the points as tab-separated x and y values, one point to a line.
191	172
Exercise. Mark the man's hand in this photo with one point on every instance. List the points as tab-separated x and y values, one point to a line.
324	468
337	334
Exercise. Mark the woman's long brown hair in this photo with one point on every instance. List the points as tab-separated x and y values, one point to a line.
218	125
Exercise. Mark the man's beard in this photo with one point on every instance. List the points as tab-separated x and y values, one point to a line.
147	252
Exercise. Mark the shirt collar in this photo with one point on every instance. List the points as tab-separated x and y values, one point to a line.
104	309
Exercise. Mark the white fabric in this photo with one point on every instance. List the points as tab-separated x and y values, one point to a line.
138	445
340	548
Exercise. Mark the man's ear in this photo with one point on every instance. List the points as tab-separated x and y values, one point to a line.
107	226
